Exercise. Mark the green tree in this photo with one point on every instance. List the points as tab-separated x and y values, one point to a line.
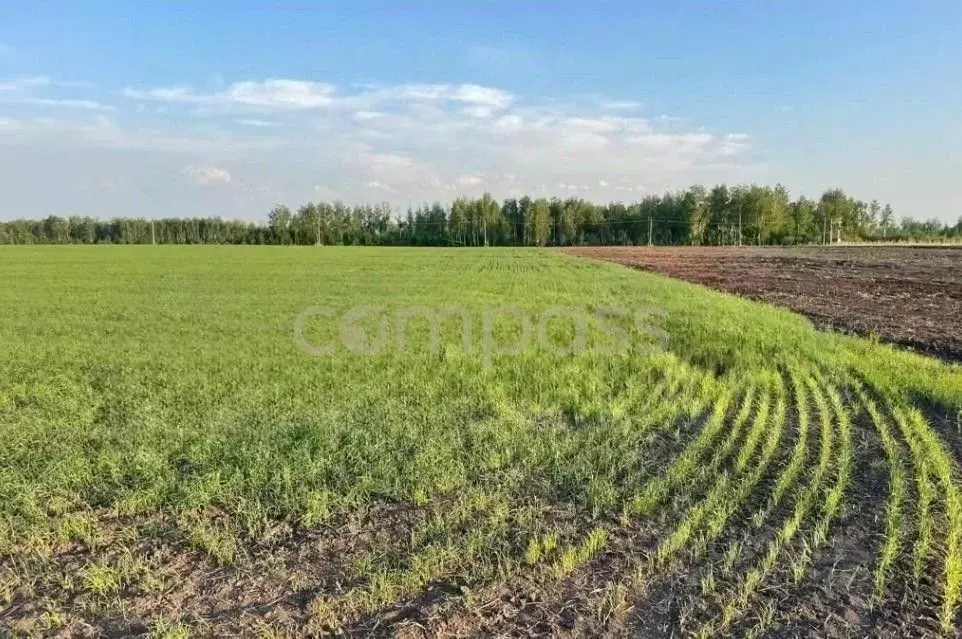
886	220
458	222
721	223
698	214
279	220
834	209
802	214
874	215
540	222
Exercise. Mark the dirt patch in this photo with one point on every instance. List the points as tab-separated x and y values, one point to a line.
909	296
151	576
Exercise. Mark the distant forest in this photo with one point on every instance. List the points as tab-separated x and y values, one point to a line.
721	215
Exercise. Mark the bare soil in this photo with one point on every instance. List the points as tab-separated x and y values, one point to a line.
910	296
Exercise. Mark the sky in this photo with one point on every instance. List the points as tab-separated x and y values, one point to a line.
228	108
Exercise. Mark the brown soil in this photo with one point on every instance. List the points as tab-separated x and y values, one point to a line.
271	584
911	296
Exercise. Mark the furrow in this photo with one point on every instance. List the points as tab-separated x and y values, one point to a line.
737	600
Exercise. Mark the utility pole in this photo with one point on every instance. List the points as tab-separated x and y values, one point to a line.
317	229
153	236
758	227
650	225
740	224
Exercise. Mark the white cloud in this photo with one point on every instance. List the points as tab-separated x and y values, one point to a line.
29	90
391	162
407	143
735	143
207	175
378	185
482	96
24	83
282	94
470	181
365	116
86	133
479	111
87	105
263	124
620	105
467	94
664	117
287	94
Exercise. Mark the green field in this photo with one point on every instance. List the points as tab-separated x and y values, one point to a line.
174	463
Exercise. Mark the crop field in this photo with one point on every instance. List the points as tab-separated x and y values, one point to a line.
907	295
288	441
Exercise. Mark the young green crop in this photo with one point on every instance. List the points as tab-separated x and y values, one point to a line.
897	494
735	603
927	446
161	396
797	462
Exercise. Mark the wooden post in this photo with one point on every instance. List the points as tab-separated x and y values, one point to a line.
739	224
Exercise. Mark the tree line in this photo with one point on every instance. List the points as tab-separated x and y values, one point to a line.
722	215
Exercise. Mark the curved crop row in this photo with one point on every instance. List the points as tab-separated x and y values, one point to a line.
710	515
927	448
796	463
655	491
737	600
898	491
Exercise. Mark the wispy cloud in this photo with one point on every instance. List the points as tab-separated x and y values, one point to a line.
621	105
263	124
286	94
379	186
100	132
407	142
363	116
36	90
88	105
268	94
470	181
207	175
24	83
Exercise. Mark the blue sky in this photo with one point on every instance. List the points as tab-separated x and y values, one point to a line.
225	108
